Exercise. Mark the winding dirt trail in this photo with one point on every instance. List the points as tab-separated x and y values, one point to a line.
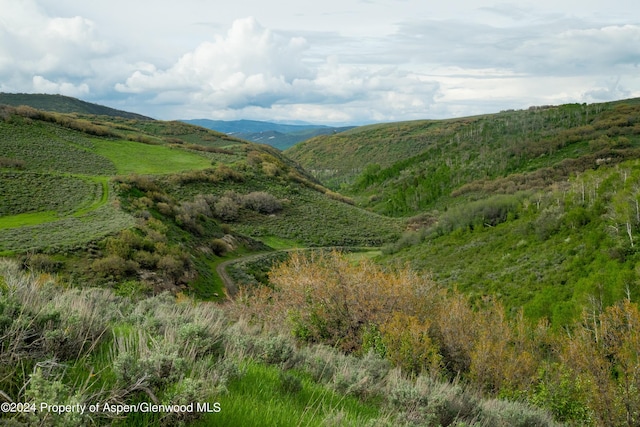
230	286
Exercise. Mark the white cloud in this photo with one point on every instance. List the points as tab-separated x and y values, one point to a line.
251	61
42	85
335	61
252	66
43	53
582	51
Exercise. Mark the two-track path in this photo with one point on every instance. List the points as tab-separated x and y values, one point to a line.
230	286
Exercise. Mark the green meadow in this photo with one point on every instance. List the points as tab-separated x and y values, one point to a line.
134	157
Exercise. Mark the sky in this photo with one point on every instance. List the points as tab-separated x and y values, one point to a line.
332	62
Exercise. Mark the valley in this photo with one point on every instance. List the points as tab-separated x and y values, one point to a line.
462	263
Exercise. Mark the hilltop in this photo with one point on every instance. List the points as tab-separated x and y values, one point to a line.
64	104
433	158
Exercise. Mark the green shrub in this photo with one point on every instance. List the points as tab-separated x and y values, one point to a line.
548	222
289	383
11	163
225	173
199	340
560	392
113	267
275	350
171	267
43	263
146	259
219	247
131	289
486	212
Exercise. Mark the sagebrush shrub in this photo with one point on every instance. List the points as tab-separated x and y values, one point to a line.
262	202
113	267
226	209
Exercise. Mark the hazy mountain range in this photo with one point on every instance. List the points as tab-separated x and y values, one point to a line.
281	136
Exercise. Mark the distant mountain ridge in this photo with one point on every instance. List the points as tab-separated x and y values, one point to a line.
64	104
278	135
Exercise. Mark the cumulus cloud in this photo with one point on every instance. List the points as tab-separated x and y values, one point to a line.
254	67
250	61
43	53
426	68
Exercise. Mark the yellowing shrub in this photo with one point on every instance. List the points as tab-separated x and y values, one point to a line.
328	299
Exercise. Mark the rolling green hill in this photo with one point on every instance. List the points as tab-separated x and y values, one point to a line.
280	136
64	104
538	207
70	180
409	167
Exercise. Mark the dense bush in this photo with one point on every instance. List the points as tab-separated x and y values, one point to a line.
42	263
219	246
9	162
481	213
338	301
226	209
262	202
113	267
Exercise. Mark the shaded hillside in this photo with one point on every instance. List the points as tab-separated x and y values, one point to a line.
64	104
338	158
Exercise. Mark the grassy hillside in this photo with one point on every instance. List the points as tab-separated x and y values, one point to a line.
511	204
64	104
338	158
553	252
151	202
404	168
537	207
